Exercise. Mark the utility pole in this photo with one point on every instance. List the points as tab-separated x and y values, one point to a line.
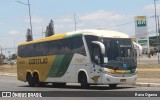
30	18
158	26
1	57
75	22
158	41
1	50
155	10
42	32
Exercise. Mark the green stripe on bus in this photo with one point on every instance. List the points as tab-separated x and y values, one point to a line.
127	72
55	66
60	65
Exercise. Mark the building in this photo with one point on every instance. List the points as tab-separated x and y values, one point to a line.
153	41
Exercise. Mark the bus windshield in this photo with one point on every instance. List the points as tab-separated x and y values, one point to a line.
118	48
119	53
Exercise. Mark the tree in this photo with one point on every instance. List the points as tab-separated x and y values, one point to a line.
2	57
50	29
14	56
29	35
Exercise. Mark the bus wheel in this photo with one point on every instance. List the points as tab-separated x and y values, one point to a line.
36	80
30	80
83	81
113	86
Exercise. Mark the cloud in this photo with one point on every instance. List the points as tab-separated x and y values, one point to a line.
65	19
1	23
93	20
35	19
151	8
97	16
102	16
14	32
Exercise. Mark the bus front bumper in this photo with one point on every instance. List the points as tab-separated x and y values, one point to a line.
110	79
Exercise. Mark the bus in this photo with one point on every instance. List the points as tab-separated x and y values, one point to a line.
88	57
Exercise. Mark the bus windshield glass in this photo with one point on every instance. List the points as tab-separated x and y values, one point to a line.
119	53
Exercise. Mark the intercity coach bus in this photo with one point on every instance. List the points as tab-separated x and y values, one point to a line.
88	57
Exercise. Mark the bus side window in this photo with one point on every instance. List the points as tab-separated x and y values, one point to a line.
77	45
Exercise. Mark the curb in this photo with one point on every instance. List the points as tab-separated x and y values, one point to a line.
147	84
8	75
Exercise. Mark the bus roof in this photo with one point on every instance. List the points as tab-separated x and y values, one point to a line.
100	33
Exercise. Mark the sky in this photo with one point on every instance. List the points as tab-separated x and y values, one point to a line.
115	15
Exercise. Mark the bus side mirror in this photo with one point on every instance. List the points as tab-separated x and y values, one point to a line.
101	45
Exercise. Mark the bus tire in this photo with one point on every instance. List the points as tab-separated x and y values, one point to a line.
30	80
83	80
36	80
112	86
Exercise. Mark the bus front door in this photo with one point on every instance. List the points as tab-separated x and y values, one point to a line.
96	68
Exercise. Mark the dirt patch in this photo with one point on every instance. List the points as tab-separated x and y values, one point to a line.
148	66
149	74
8	69
148	80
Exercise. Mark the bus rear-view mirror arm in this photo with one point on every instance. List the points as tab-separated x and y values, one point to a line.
101	45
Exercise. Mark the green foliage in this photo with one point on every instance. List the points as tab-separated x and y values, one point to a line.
2	57
14	56
29	35
50	29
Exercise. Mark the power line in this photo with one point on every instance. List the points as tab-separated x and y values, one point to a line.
147	33
121	24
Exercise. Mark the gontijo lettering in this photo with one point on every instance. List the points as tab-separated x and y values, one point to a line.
38	61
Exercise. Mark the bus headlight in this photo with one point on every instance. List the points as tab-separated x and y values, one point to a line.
109	73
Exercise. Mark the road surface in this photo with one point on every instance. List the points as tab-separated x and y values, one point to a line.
10	83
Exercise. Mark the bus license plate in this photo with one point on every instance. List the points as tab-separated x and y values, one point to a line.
122	80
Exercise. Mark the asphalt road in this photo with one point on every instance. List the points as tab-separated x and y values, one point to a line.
10	83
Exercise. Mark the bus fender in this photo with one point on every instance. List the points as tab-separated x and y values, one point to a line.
28	71
35	71
83	70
